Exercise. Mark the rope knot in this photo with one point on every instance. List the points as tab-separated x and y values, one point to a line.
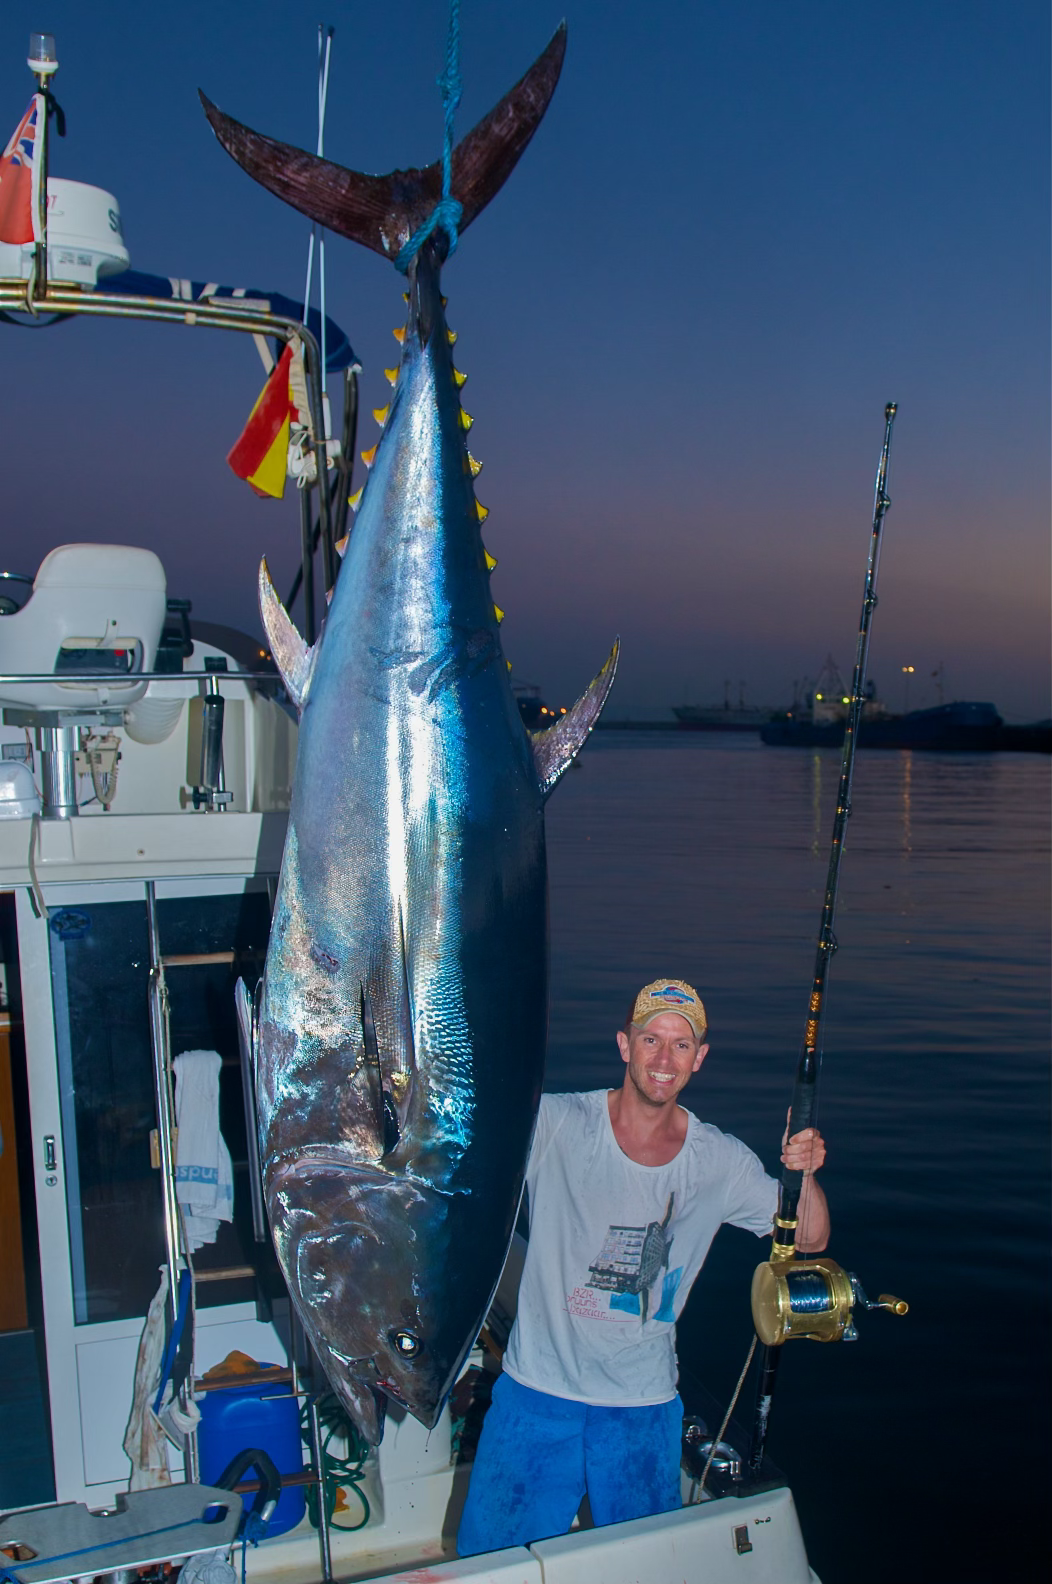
447	212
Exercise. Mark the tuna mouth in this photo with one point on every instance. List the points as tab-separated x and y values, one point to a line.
392	1390
322	1157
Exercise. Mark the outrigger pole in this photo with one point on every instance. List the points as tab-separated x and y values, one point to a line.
814	1298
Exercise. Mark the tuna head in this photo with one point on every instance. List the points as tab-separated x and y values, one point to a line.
366	1253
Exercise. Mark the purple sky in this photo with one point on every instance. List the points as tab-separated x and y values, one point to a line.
740	230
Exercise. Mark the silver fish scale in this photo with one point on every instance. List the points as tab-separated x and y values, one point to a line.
413	884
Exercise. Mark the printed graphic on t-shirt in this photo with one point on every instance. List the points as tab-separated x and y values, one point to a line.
632	1262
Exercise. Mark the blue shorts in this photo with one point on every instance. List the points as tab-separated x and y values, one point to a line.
537	1456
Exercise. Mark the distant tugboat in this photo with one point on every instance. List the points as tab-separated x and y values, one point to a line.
957	727
535	713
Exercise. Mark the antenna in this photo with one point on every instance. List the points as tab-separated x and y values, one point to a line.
317	232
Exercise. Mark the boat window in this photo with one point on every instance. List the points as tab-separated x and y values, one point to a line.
100	979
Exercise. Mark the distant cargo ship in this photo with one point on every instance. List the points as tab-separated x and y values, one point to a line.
740	717
721	717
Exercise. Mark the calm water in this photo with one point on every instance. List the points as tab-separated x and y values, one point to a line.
920	1451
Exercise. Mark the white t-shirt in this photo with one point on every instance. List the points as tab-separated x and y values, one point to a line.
614	1248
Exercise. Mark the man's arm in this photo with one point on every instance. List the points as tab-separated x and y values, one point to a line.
805	1152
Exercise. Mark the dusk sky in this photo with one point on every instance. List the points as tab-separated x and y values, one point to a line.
740	230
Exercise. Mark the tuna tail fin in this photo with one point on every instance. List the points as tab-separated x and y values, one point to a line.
554	750
292	655
383	212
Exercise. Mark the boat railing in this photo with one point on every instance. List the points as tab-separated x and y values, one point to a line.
243	315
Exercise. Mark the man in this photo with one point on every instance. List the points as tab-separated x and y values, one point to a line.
626	1192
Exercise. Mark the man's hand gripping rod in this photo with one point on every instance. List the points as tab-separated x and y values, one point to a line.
814	1298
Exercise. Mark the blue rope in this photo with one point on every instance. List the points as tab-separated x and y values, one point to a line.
253	1531
9	1576
447	211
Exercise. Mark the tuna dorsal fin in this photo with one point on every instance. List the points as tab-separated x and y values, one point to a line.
554	750
291	654
382	212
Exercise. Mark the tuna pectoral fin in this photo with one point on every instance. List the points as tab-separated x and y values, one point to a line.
382	212
387	1122
554	750
291	654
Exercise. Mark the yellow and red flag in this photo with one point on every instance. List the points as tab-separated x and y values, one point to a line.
20	178
260	456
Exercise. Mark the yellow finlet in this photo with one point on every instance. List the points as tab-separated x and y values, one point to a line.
381	414
328	595
355	500
391	375
466	420
483	511
405	296
498	613
491	561
369	457
399	333
474	465
508	664
451	336
341	544
459	379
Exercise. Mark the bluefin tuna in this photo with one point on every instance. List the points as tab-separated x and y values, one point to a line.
401	1021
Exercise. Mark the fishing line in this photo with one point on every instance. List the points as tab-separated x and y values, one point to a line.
727	1415
448	210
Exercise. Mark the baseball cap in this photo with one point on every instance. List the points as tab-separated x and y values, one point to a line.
670	995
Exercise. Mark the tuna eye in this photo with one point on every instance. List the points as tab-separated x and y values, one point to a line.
406	1345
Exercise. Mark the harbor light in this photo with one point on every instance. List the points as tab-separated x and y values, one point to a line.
907	672
43	61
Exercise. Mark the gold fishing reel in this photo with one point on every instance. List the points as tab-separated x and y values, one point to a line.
810	1298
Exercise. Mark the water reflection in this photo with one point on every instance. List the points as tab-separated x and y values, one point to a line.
707	860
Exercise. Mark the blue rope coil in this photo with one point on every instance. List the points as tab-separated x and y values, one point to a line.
448	210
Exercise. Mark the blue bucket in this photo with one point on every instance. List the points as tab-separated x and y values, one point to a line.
264	1416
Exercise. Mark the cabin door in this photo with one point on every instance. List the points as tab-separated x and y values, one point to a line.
85	979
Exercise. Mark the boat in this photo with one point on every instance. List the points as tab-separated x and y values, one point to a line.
819	718
959	727
740	717
145	771
535	712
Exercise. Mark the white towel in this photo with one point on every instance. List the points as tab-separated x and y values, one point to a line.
144	1437
204	1180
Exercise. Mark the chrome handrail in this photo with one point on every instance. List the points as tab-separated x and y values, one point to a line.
213	313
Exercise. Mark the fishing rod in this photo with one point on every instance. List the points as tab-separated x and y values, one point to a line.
815	1298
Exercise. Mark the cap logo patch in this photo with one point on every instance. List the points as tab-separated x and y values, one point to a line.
673	993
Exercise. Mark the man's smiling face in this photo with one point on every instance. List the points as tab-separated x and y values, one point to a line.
661	1057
